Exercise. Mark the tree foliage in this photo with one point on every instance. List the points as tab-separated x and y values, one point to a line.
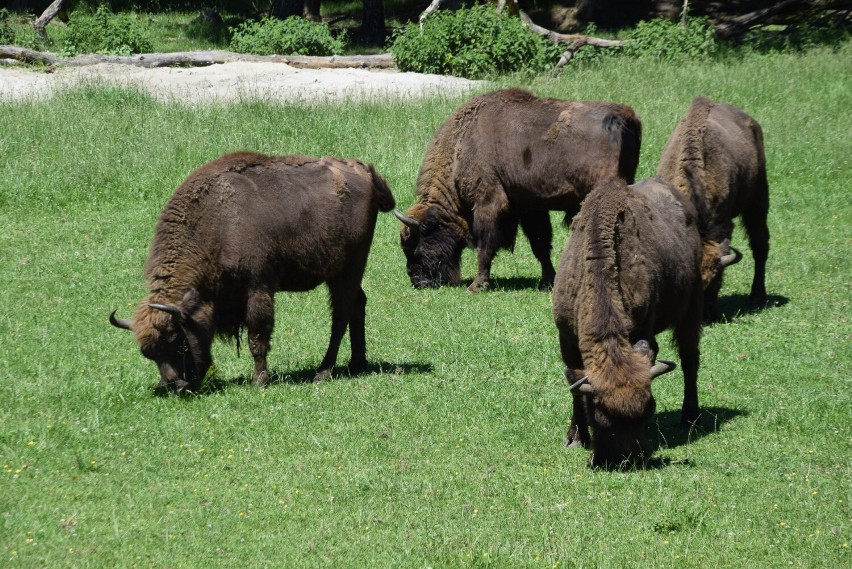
293	36
472	42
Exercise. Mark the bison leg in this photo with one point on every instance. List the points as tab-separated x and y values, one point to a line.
687	335
487	235
754	222
357	339
578	431
260	319
539	231
348	304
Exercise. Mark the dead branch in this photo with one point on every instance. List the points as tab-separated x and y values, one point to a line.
41	23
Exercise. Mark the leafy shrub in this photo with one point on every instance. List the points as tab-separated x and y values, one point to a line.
105	33
16	34
670	41
799	37
293	36
7	32
476	42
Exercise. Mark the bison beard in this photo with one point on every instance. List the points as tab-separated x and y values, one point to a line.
503	160
238	230
631	269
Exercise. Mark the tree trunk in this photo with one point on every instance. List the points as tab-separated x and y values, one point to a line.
283	9
312	10
373	23
41	23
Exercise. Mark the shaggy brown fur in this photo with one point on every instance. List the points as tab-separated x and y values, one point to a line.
238	230
631	269
504	159
715	157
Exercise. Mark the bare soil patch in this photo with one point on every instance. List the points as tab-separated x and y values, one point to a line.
234	81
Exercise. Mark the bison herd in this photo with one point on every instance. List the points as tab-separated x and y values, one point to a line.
641	257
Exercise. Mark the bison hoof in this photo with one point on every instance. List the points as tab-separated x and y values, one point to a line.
356	367
689	419
478	287
322	375
261	379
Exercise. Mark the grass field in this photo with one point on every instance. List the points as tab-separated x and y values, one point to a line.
448	454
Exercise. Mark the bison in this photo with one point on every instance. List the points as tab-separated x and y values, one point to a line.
241	228
715	157
631	269
508	158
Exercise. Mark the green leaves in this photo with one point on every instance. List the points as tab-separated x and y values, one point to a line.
106	33
293	36
670	41
476	43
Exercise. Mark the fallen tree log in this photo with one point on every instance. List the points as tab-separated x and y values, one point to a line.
200	59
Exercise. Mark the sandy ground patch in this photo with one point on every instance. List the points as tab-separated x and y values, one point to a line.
235	81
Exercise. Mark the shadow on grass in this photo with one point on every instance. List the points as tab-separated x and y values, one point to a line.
508	283
669	433
734	305
306	375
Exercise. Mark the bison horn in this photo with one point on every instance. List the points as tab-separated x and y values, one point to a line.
582	385
120	322
171	309
412	223
661	367
731	258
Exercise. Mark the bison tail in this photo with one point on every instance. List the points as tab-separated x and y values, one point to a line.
384	196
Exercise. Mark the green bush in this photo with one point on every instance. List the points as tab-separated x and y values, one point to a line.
670	41
7	32
293	36
105	33
21	35
476	42
799	37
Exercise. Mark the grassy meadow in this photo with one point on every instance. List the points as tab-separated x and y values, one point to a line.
448	453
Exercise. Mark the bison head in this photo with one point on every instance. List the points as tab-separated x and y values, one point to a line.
433	246
618	409
174	338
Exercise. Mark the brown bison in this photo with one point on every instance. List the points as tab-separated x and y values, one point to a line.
508	158
715	157
631	269
238	230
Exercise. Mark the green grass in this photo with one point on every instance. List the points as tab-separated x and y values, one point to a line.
449	453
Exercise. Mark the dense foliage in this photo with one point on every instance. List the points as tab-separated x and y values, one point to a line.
670	41
105	33
476	42
293	36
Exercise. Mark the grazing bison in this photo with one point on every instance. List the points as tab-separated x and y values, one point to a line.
238	230
508	158
631	269
715	157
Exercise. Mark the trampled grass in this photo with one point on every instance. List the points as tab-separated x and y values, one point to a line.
448	453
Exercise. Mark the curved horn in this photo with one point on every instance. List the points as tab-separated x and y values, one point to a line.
582	385
731	258
171	309
661	367
122	323
412	223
